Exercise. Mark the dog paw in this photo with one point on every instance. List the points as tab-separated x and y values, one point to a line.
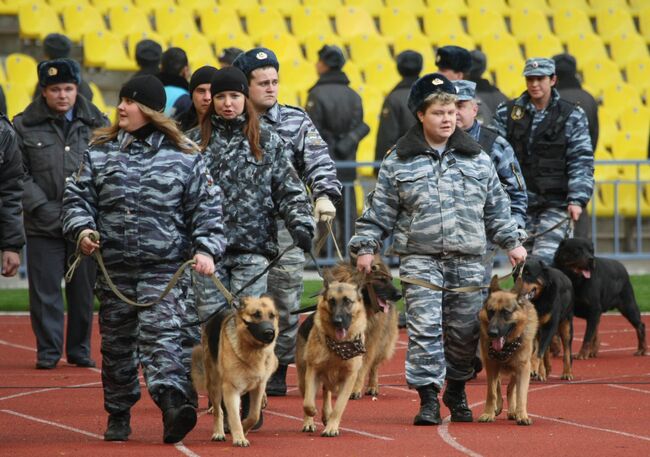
241	443
525	420
581	355
567	376
219	437
512	416
372	391
486	418
356	395
640	352
309	428
330	432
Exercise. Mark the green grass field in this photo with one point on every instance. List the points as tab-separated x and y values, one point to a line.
18	300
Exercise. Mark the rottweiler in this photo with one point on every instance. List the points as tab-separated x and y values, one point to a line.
599	285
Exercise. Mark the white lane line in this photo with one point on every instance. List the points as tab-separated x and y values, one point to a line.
443	432
53	424
590	427
183	450
17	346
351	430
31	392
629	388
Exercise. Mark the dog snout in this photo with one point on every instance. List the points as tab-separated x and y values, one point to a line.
268	335
341	320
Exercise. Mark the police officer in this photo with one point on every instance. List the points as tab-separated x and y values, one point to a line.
143	186
395	118
501	154
453	61
308	154
53	132
201	98
12	239
147	55
488	95
227	56
439	195
550	137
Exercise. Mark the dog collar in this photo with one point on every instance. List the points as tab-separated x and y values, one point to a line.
507	351
346	349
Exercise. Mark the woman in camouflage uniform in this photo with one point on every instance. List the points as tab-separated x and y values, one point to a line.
143	186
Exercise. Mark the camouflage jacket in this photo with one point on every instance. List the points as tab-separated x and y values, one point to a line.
579	153
255	193
308	151
11	189
152	204
437	204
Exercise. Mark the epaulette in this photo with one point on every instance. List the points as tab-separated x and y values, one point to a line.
297	108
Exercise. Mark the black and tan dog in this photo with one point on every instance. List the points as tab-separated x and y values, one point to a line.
599	285
379	297
508	325
329	351
237	351
551	293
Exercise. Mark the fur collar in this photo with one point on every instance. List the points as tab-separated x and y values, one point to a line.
38	112
413	143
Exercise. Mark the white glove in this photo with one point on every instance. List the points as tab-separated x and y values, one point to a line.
324	210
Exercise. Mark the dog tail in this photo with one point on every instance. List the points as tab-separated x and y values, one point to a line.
198	369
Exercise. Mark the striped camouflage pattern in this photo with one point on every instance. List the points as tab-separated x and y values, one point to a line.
437	203
579	154
540	221
255	193
430	314
509	172
308	151
150	203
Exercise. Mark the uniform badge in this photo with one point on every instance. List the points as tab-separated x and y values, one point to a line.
385	112
437	82
52	71
535	64
261	55
208	178
517	113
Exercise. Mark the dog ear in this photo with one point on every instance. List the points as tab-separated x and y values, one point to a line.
518	290
494	284
328	277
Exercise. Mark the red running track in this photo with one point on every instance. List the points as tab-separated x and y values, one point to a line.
605	411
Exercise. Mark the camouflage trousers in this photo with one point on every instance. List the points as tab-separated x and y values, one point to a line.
541	220
285	284
442	327
234	270
150	337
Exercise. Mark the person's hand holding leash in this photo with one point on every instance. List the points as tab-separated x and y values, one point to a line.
517	255
86	244
364	263
574	212
324	210
10	263
204	264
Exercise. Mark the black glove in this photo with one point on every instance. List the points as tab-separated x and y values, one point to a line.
302	240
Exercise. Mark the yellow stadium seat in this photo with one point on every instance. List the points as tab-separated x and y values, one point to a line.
628	47
509	80
542	45
353	71
607	127
417	7
150	5
415	42
440	23
600	4
630	145
309	21
611	22
372	7
575	4
285	7
313	44
296	77
133	38
60	5
242	5
352	21
636	119
79	19
393	21
196	6
227	39
103	6
382	75
455	6
368	48
198	48
500	49
568	22
599	74
587	47
638	5
624	196
619	97
126	19
213	19
261	21
644	23
483	23
21	69
539	5
11	7
282	43
636	72
171	20
498	6
98	97
328	7
18	96
37	20
528	22
463	40
104	49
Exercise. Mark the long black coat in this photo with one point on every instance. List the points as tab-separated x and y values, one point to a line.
395	118
11	190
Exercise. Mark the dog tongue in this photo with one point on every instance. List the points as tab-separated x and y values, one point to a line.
586	274
341	333
383	305
498	343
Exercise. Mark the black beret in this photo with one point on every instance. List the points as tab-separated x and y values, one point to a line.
147	90
332	56
229	78
479	64
148	52
565	64
256	58
57	46
409	63
427	85
454	58
203	75
58	71
228	55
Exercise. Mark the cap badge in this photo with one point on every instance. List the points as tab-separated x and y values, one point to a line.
52	71
535	64
261	55
437	82
517	113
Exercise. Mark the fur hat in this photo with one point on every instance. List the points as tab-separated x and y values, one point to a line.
454	58
427	85
58	71
565	64
228	55
229	78
57	46
479	64
256	58
332	56
148	53
145	89
409	63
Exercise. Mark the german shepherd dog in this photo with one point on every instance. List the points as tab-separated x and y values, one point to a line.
600	285
508	325
329	351
238	357
379	296
551	292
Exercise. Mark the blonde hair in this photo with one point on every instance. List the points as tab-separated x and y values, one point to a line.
167	126
444	98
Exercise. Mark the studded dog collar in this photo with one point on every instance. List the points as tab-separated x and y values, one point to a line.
346	349
507	351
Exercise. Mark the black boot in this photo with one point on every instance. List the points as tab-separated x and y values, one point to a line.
455	399
179	416
277	384
429	413
118	427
